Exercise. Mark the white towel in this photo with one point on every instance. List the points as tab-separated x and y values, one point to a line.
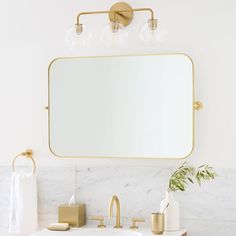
23	204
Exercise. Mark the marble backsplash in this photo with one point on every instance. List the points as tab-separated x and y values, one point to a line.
209	210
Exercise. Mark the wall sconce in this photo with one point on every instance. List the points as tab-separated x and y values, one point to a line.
120	16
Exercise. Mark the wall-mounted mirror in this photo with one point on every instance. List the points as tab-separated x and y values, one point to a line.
121	106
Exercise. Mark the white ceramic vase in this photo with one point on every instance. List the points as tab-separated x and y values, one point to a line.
172	212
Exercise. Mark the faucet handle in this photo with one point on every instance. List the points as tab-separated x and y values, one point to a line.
134	221
100	219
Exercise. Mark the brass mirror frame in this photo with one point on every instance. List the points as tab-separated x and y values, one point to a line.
195	107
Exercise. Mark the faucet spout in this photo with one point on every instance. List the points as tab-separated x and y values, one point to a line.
115	200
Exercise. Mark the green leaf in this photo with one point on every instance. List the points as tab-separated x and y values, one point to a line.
185	174
190	180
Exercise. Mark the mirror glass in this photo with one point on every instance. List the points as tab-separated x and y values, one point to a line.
121	106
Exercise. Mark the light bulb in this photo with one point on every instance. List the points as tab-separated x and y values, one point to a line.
113	35
149	33
78	37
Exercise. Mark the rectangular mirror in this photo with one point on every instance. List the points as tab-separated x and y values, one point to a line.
121	106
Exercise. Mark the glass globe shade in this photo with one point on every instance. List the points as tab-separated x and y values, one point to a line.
150	36
113	35
74	40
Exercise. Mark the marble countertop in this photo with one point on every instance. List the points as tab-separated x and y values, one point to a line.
75	232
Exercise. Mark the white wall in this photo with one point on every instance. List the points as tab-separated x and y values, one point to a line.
32	34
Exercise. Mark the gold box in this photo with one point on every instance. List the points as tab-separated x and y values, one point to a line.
74	215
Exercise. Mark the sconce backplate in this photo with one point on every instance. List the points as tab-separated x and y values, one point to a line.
124	13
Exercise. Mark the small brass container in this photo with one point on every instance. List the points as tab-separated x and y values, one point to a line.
157	221
74	215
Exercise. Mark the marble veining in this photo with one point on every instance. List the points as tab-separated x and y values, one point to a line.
139	189
206	210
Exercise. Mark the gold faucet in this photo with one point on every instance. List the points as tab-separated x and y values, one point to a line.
116	200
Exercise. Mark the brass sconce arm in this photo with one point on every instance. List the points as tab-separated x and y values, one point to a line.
90	13
117	13
114	13
145	9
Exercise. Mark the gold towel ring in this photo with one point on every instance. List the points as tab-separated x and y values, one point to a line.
28	154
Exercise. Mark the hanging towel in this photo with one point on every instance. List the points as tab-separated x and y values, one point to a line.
23	204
